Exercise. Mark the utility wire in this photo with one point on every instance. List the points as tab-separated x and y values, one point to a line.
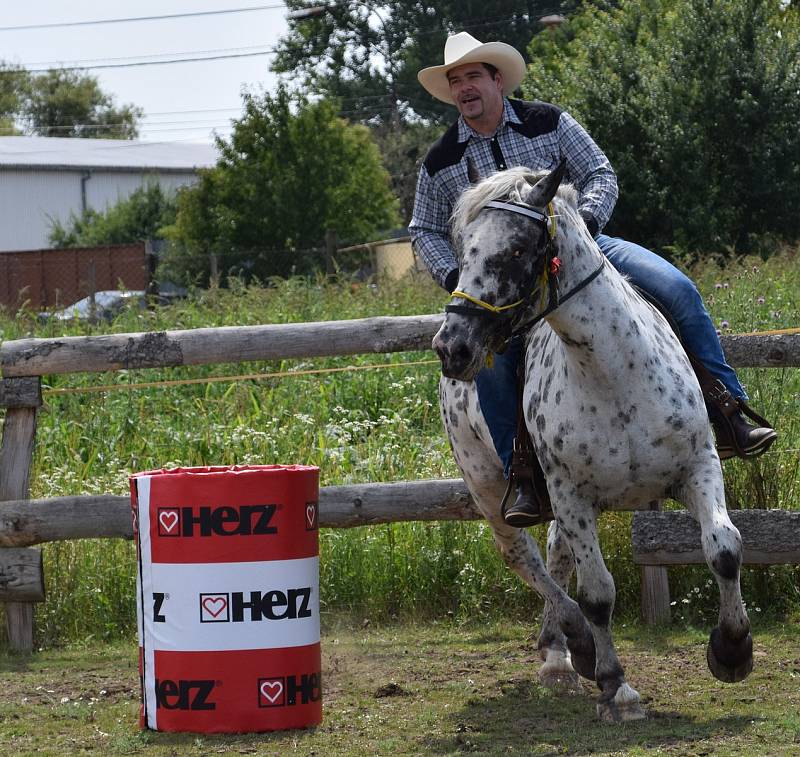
61	24
150	62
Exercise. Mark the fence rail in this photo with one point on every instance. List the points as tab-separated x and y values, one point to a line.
233	344
24	522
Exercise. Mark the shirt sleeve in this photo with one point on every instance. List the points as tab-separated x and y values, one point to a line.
589	169
430	228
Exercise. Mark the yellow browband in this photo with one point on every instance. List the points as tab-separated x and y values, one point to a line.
551	229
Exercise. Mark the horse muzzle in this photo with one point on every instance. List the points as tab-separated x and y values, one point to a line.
461	354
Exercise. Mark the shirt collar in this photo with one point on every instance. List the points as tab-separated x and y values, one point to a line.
509	116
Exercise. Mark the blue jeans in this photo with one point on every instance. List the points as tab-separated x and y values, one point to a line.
497	386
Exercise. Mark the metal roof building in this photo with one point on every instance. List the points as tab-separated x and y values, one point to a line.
43	179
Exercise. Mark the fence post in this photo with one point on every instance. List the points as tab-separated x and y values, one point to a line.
21	397
151	264
655	590
330	251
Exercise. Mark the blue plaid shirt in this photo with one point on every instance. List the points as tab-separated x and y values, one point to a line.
536	135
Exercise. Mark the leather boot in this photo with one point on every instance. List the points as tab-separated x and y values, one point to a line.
530	507
737	436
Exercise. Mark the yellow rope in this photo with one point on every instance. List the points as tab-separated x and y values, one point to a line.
485	305
215	379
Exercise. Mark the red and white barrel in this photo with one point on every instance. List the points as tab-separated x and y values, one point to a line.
228	597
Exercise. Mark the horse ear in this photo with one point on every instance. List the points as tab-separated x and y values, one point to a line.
545	189
472	171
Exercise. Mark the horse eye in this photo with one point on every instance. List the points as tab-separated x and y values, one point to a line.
517	253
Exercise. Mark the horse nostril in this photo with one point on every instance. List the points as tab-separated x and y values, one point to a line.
462	353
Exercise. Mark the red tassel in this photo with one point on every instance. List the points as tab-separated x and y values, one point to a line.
555	266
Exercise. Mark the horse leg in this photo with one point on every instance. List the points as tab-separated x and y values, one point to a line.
557	672
596	594
521	553
730	648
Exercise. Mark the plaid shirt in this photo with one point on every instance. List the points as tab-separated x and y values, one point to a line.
536	135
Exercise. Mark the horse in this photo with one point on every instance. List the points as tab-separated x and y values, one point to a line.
613	409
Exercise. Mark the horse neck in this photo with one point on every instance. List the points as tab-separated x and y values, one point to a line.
576	319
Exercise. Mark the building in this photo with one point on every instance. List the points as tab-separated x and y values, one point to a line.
43	179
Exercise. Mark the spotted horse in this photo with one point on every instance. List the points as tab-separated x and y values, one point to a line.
596	357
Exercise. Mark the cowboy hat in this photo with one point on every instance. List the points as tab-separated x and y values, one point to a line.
464	48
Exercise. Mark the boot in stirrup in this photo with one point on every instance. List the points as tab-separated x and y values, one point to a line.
735	435
532	503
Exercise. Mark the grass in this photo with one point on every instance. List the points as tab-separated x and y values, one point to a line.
376	425
437	688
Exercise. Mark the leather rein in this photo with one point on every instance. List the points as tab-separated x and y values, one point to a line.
549	277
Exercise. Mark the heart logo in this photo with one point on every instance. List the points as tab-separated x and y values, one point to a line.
311	514
271	690
214	605
168	520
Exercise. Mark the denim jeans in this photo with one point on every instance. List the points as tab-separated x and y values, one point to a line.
497	386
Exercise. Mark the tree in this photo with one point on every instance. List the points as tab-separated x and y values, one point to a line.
142	215
13	84
291	170
367	54
696	105
61	103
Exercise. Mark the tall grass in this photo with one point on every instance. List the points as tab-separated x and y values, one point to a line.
373	425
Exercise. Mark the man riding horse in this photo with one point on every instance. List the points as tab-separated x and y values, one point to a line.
495	133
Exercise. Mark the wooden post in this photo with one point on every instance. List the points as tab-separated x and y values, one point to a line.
21	397
655	590
330	251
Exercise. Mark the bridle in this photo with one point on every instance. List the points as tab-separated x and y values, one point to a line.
549	276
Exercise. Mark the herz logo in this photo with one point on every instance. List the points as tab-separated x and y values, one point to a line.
247	520
290	690
312	514
214	608
184	695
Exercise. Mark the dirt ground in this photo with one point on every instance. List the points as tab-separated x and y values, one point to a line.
432	688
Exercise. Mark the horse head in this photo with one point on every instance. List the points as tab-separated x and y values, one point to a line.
502	257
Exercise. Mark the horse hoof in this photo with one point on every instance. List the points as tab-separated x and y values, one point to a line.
562	683
624	707
729	661
582	652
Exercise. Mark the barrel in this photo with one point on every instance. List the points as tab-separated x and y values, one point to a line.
228	598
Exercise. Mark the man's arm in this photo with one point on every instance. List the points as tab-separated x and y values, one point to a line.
590	171
430	232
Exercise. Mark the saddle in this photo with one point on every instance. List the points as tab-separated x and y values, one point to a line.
722	406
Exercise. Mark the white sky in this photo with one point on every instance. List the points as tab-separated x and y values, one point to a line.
178	92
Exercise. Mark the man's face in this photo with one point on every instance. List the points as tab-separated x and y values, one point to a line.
476	93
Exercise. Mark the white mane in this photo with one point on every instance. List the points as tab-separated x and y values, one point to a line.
505	185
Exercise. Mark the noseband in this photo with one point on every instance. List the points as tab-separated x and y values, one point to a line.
549	277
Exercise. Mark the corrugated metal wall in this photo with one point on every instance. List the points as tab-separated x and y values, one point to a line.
31	199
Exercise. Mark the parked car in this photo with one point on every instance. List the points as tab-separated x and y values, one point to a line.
107	304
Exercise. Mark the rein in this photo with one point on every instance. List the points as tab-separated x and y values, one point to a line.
550	269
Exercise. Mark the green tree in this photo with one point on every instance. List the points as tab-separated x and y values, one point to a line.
142	215
62	103
13	85
367	54
696	106
291	170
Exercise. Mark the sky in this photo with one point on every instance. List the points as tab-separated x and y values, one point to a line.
186	102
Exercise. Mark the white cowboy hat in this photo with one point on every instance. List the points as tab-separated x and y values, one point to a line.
464	48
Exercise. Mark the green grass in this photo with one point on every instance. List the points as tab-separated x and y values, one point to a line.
375	425
432	688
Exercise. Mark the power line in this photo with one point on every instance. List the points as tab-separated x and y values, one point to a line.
144	58
61	24
151	62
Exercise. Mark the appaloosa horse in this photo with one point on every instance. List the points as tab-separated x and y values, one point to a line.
611	403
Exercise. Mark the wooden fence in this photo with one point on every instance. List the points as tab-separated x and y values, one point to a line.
25	522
